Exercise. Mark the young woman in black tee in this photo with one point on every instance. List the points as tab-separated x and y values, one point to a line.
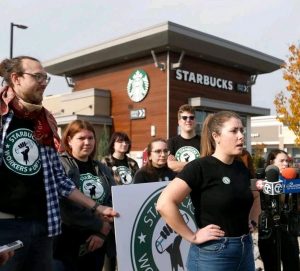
219	187
156	168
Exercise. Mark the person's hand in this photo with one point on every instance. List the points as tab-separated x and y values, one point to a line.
94	242
5	256
171	157
208	233
252	225
106	213
106	227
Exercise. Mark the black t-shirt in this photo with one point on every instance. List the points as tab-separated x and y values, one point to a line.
220	194
143	175
22	189
184	150
122	170
92	185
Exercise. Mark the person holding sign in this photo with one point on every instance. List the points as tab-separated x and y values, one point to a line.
219	187
32	178
85	237
156	169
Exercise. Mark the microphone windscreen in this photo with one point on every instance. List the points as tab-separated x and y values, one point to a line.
289	173
260	173
272	173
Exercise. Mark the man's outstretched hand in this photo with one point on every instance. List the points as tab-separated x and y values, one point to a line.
107	213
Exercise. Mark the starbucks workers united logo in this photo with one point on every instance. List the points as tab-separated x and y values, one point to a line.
21	154
154	245
187	154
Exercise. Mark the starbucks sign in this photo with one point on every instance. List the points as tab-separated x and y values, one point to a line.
146	242
138	85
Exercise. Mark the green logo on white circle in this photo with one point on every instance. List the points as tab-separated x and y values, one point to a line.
138	85
125	174
92	187
21	154
154	245
187	154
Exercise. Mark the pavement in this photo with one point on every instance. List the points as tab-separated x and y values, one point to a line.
258	262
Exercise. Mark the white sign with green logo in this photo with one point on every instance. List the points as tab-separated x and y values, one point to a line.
144	240
138	85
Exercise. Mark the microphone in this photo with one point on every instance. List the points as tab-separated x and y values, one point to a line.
271	188
289	173
291	188
260	173
291	181
289	176
272	184
259	177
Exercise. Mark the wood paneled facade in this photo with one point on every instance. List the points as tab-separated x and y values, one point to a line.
165	95
109	66
115	80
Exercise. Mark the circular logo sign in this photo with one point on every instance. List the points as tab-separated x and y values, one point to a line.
226	180
92	187
138	85
125	174
187	154
154	245
21	154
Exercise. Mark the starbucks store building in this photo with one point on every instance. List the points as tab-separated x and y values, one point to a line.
137	82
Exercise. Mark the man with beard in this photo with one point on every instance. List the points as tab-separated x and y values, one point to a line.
29	207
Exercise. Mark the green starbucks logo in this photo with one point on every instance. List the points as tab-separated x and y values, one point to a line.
154	245
138	85
21	154
187	154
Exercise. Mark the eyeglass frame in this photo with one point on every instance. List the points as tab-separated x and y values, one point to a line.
39	77
164	151
123	141
185	118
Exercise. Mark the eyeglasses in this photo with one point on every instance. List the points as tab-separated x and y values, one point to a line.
39	77
123	141
188	117
164	151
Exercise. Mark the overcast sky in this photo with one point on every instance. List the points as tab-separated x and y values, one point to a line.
58	27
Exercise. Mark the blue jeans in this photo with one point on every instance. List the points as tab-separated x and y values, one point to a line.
226	254
36	255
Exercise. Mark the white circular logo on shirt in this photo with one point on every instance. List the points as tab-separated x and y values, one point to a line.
226	180
124	174
92	187
21	154
187	154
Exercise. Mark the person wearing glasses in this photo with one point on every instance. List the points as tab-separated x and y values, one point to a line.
156	168
122	165
32	177
184	147
219	187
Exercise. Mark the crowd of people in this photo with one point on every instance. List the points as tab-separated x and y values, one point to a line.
56	197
